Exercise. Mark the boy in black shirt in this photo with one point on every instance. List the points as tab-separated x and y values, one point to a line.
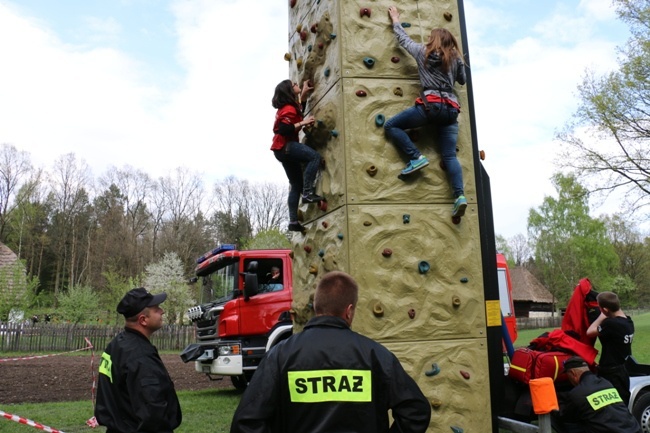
615	331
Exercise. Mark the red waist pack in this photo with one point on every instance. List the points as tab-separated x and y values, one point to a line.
529	364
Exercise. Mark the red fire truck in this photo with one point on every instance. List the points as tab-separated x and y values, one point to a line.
243	312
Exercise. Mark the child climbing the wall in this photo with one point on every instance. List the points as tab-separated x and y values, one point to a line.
290	152
440	65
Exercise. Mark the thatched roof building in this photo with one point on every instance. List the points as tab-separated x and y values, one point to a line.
528	294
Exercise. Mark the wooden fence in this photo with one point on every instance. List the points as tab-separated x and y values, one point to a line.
539	322
51	337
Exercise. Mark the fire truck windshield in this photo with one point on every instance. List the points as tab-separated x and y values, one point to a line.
220	284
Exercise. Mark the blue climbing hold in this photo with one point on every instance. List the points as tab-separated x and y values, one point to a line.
369	62
380	119
434	370
424	267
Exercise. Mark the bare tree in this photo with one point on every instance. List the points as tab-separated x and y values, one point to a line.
615	113
520	248
69	180
181	197
268	207
16	174
136	190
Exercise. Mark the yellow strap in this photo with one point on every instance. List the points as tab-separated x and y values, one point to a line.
518	368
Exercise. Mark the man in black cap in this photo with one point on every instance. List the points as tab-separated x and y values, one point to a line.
134	391
593	405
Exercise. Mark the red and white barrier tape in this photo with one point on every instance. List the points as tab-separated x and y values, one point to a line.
90	346
29	422
92	422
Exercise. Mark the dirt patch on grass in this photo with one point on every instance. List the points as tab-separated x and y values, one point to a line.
70	378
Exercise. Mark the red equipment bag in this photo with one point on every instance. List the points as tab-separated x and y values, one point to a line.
522	365
551	364
529	364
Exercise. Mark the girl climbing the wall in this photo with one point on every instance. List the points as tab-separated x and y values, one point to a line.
290	152
440	65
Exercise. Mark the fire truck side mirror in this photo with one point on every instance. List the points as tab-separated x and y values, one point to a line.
251	286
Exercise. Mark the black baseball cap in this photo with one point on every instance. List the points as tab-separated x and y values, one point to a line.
137	300
574	362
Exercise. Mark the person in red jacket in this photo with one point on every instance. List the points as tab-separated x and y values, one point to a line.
290	152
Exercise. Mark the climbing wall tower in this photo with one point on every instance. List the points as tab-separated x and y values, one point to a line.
421	274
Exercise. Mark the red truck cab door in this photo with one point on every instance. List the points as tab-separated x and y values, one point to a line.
260	313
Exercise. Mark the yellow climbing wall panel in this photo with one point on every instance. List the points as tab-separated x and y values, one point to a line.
420	274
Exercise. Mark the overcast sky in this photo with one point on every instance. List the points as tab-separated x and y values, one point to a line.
161	84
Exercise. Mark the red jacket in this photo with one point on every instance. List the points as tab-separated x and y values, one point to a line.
290	115
576	318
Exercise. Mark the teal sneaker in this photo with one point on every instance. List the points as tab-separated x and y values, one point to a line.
415	165
459	206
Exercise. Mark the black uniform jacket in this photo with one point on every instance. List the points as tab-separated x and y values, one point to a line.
596	405
134	391
328	378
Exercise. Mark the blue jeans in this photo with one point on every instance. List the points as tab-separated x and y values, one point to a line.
444	118
292	156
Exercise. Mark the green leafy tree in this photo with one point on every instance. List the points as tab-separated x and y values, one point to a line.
116	286
615	113
569	244
166	275
634	257
268	239
78	304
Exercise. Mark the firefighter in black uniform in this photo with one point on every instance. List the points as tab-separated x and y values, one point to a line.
328	378
135	392
593	405
615	330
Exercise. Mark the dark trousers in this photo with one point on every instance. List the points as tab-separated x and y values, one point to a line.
619	377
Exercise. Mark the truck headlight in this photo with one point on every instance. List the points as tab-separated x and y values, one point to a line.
233	349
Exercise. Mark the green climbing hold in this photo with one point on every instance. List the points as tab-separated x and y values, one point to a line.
406	25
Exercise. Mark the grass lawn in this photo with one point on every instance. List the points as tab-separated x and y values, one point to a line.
203	411
211	410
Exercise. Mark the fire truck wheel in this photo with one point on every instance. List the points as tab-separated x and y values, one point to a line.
641	411
239	382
